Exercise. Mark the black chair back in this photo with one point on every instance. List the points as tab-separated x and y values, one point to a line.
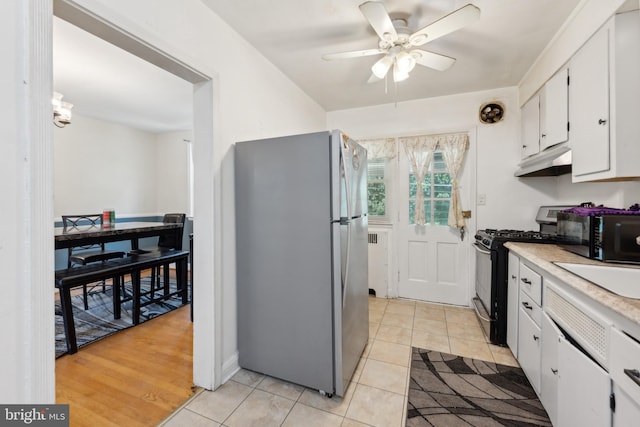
173	240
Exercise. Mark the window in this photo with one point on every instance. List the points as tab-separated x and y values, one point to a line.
437	192
377	189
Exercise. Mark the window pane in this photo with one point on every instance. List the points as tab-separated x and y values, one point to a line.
437	192
376	193
441	212
376	189
375	169
427	212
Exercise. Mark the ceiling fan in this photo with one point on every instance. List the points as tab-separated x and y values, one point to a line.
398	43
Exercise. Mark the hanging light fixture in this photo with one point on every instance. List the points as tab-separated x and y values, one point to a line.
399	74
61	110
405	61
381	67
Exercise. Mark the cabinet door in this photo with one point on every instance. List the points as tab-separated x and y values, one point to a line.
583	389
589	106
513	303
529	349
554	110
627	411
530	127
551	336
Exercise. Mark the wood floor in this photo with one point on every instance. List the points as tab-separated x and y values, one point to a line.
136	377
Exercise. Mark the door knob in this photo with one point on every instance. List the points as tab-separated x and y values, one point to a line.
602	122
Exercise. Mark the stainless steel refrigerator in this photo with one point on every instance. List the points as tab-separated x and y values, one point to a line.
301	248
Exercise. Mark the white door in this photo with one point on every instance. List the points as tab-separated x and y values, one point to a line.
433	260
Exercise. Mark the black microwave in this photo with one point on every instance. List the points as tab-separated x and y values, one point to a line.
611	238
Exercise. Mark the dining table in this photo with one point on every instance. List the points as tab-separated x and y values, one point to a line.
82	235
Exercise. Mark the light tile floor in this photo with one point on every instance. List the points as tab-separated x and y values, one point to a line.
377	395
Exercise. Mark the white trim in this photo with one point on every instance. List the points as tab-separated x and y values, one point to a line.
36	257
230	367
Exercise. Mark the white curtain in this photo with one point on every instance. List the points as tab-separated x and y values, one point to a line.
380	148
454	148
419	150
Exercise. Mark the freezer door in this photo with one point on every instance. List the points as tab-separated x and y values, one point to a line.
354	159
285	297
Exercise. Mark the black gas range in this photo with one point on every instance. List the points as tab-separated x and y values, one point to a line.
491	238
492	266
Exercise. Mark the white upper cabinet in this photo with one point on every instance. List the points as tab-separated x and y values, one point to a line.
554	110
604	101
545	117
530	121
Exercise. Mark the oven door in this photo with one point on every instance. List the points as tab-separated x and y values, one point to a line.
482	302
483	275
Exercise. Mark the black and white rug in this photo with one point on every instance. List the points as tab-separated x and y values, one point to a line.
452	391
97	322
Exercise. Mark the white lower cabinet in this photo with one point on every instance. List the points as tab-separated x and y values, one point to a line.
583	389
529	348
513	302
549	362
625	374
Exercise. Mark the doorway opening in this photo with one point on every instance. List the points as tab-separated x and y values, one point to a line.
111	28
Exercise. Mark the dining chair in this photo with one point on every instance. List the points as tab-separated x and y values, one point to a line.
87	254
165	242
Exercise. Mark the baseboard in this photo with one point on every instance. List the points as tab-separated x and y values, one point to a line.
230	367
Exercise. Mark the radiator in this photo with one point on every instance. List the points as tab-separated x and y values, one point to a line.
378	263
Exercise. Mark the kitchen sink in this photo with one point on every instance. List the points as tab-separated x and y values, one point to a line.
623	281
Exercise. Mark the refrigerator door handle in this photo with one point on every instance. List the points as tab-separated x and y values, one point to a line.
345	173
345	282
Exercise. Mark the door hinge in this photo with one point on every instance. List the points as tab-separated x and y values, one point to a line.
398	276
612	402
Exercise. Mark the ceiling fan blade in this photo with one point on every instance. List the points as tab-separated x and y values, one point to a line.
373	78
379	19
353	54
445	25
432	60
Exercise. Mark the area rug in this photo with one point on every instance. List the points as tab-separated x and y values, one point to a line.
97	322
452	391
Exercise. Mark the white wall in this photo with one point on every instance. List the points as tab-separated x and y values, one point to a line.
99	164
172	172
104	165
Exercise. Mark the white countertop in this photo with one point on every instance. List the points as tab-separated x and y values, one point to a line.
543	256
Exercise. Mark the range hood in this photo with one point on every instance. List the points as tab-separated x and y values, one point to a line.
553	161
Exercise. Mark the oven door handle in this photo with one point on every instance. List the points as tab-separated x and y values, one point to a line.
481	249
475	302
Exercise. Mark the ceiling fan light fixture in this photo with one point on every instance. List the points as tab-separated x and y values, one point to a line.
405	61
381	67
398	74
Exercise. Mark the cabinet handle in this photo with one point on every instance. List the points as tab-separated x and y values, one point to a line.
602	122
536	338
554	371
634	374
526	281
527	306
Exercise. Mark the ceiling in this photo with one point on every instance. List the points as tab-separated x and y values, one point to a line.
495	51
105	82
